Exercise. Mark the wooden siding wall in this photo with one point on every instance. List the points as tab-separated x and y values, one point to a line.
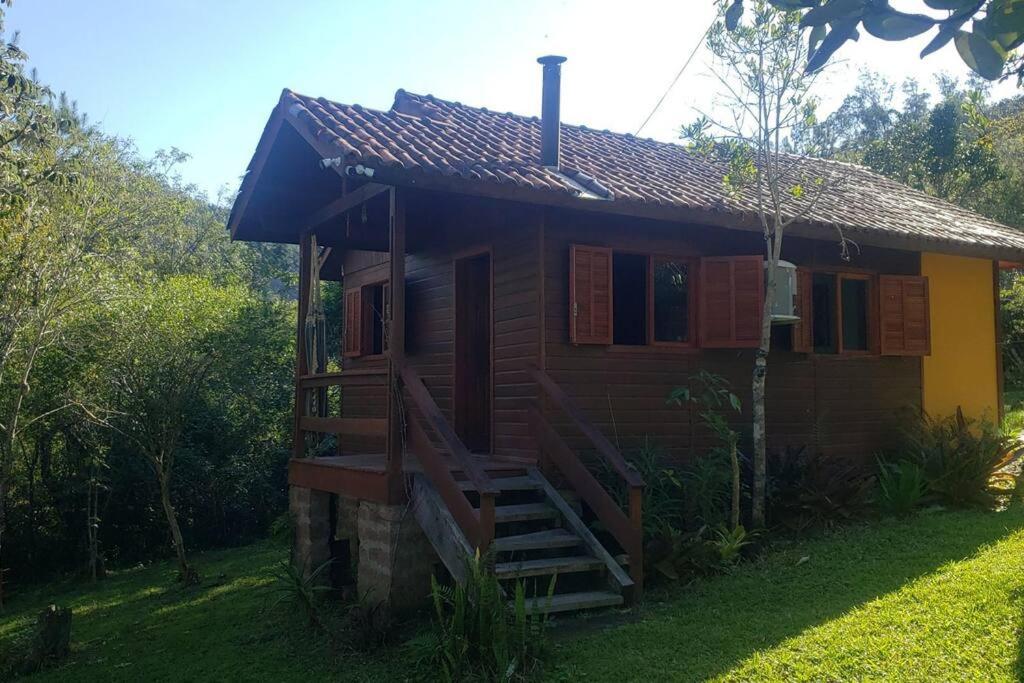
439	232
837	406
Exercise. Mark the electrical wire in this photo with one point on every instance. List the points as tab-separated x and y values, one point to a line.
679	75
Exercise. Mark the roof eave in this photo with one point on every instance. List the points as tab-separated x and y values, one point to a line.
732	220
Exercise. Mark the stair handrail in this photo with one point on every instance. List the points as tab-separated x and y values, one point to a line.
482	532
627	530
604	447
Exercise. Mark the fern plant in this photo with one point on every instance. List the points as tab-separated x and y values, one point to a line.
901	487
480	637
292	584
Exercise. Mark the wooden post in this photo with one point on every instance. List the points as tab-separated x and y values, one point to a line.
998	311
636	553
301	362
486	522
396	338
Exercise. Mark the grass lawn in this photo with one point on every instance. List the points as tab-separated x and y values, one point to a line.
936	597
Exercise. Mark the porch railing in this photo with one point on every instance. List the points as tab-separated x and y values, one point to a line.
626	529
478	526
325	423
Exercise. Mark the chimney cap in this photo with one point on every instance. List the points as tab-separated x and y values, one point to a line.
551	60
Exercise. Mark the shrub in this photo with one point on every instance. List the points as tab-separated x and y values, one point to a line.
677	555
707	486
730	544
807	490
479	637
664	491
958	456
901	487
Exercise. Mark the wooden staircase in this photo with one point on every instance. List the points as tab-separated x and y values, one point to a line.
533	532
538	535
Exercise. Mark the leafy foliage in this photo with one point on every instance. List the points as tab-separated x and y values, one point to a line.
958	457
712	396
901	487
109	267
478	637
808	490
681	555
997	28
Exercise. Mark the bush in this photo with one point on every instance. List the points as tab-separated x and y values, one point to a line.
901	487
807	490
678	555
959	458
664	497
478	636
707	486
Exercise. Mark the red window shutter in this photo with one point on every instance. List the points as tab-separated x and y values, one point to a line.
803	330
731	301
905	321
353	324
590	295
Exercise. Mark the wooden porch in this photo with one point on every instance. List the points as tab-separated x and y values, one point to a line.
464	501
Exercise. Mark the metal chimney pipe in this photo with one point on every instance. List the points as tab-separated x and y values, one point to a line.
550	118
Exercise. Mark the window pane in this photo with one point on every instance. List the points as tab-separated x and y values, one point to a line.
671	301
374	297
629	296
823	295
855	315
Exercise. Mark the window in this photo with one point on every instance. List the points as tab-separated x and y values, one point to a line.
840	313
365	315
629	293
854	308
670	283
629	299
375	302
823	306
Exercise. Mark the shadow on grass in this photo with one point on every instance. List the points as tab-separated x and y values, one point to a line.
1018	665
709	628
135	606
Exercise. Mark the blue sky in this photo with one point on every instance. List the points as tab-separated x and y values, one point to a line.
204	75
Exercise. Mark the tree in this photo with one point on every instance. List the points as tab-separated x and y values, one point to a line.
166	343
997	29
759	64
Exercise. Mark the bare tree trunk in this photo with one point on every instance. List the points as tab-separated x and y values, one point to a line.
92	525
759	484
3	530
187	573
734	517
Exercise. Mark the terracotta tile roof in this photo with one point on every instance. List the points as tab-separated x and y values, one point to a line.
422	134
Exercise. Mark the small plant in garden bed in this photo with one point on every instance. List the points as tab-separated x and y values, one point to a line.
961	460
678	555
901	487
808	490
354	626
479	636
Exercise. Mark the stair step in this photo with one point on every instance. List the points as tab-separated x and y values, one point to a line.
523	483
547	566
570	602
523	513
537	540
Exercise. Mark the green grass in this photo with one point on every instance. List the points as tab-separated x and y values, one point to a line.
936	597
140	625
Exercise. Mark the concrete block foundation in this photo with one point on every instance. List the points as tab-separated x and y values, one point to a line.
394	558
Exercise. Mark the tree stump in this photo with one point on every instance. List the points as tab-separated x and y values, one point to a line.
52	639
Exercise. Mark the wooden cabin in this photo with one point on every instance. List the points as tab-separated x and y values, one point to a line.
521	295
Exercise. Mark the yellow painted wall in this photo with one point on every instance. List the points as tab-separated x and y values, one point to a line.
961	370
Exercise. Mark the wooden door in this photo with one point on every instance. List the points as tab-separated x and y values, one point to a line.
472	393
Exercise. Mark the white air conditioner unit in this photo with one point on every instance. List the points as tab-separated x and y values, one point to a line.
784	307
